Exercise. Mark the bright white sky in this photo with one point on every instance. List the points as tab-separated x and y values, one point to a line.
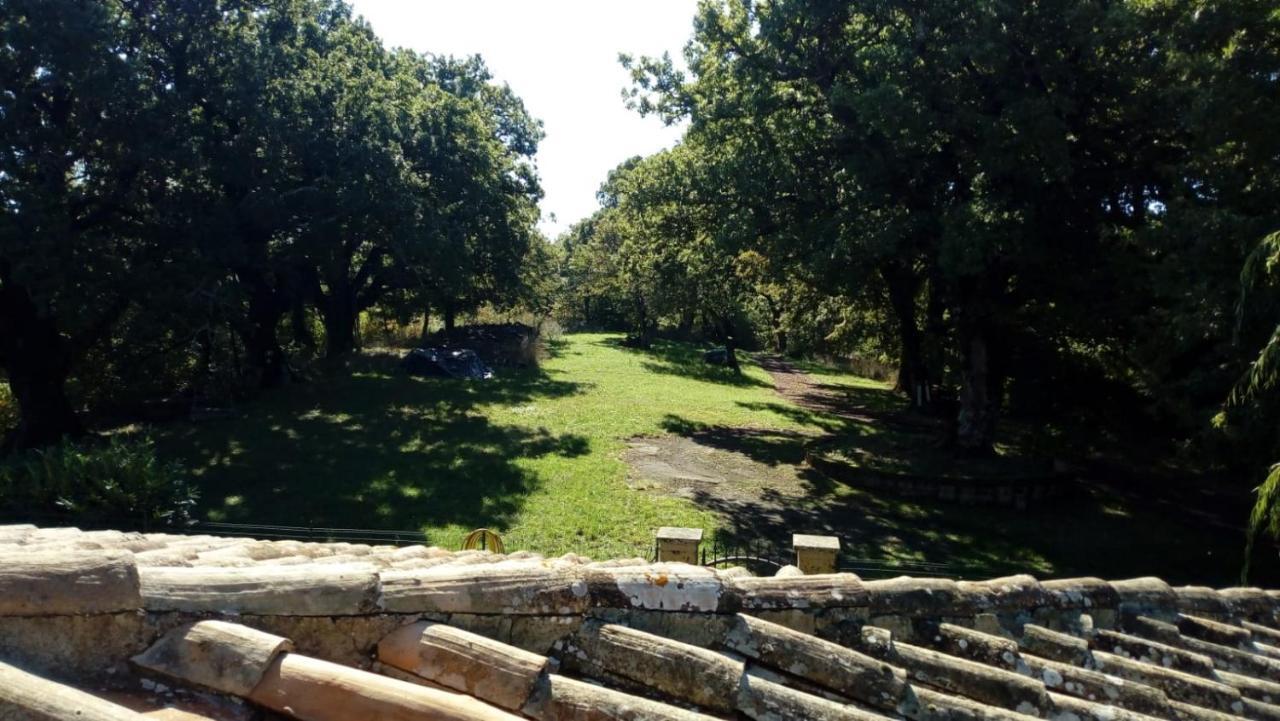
561	58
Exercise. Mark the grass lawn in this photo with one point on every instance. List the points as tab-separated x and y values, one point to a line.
537	455
533	454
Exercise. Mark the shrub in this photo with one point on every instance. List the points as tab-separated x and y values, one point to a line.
8	409
119	482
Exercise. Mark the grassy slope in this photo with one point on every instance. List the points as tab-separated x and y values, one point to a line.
534	454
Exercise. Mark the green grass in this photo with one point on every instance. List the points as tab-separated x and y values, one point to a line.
535	454
532	453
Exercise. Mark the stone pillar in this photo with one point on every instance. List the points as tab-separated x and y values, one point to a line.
815	554
678	545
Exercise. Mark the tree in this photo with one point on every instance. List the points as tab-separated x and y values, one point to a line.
180	176
957	154
479	193
85	168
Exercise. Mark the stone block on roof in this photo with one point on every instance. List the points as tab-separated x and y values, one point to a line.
506	587
1081	593
300	590
1251	603
918	597
834	590
1008	594
1214	631
1202	600
827	664
1160	654
78	646
658	587
1041	641
1139	595
53	583
677	670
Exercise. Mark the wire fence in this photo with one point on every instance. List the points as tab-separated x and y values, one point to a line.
764	557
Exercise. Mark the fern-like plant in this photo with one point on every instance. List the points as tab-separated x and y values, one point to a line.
118	481
1261	270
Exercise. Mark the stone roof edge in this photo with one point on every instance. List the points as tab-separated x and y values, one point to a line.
49	582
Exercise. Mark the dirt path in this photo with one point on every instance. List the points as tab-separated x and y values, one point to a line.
805	391
878	406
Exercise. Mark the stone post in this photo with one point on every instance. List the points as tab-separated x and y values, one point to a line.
678	545
815	554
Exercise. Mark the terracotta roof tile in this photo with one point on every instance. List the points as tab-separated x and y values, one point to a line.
325	631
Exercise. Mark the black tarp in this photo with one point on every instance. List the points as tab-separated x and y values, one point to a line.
445	363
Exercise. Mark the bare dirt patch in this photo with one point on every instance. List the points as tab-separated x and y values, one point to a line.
689	468
755	478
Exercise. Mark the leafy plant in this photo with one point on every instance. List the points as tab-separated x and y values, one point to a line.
8	409
116	481
1261	270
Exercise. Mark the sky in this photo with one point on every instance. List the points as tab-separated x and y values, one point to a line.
561	58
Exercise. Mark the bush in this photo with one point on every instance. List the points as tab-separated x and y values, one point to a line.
8	409
119	482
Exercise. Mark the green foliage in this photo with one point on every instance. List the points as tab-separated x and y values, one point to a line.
117	482
1007	197
1265	516
1261	274
178	181
8	409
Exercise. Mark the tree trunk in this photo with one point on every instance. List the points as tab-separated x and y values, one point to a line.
338	309
426	324
643	332
913	375
980	393
37	361
262	346
685	329
730	344
339	329
935	331
450	320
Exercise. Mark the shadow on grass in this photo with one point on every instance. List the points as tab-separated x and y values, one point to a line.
763	445
878	401
369	447
1095	530
1089	535
825	421
685	360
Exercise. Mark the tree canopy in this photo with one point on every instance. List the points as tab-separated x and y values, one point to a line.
1063	210
1030	207
182	183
